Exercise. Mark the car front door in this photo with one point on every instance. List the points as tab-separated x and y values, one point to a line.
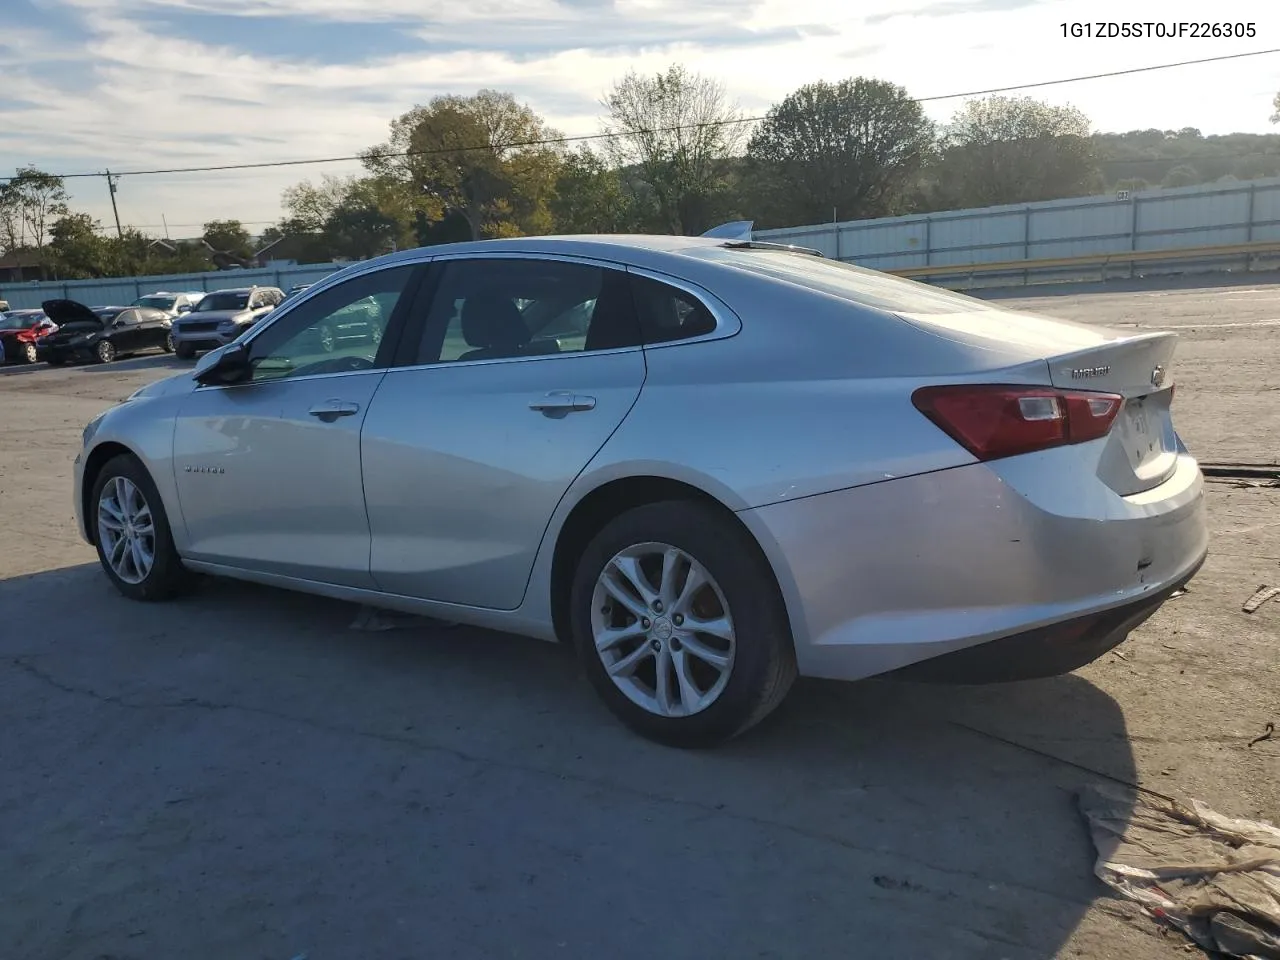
268	470
125	332
474	437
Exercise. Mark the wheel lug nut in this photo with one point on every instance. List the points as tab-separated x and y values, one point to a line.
644	622
678	619
657	606
656	644
675	644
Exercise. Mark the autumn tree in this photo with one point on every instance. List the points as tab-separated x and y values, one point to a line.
485	158
851	147
679	130
1015	150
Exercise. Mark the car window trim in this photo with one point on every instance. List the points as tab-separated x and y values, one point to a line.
406	357
395	325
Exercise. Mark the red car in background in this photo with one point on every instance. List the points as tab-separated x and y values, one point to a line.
19	330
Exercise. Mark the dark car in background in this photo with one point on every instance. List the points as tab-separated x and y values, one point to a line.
19	331
172	304
100	333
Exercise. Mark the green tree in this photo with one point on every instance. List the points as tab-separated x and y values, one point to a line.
78	247
228	236
591	197
1183	175
29	204
483	157
1014	150
679	130
853	146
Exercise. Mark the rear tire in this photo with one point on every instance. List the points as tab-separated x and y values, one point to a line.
168	343
737	676
29	353
184	351
129	522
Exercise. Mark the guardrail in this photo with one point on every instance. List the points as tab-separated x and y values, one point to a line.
1101	260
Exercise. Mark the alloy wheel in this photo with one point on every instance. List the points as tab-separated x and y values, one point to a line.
126	530
663	630
29	353
106	351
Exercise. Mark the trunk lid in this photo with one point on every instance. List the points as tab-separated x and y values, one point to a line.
1141	450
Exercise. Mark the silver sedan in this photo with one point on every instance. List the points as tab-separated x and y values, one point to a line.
709	465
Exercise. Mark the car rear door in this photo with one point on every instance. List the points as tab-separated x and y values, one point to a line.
470	445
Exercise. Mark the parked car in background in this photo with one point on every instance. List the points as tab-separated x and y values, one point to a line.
221	316
100	333
172	304
709	465
19	331
296	289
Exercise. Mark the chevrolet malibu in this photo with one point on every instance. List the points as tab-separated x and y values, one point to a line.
710	465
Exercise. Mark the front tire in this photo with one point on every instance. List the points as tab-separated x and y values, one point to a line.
184	351
105	351
135	545
168	343
680	626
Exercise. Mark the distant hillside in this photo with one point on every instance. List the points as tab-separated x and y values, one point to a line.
1183	157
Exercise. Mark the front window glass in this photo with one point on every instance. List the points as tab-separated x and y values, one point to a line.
339	331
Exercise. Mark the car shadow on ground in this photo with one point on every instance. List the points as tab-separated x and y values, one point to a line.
305	782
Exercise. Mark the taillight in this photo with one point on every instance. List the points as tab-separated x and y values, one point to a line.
992	421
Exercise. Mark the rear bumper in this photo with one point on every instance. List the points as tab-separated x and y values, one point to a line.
1044	652
882	576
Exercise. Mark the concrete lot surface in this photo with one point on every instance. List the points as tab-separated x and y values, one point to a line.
241	775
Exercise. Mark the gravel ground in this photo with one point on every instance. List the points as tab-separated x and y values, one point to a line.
240	775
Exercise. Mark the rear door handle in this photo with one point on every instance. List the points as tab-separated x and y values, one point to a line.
331	410
562	402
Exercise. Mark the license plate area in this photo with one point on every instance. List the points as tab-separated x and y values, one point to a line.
1141	430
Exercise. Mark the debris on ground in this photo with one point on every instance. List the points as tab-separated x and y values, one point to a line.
1260	596
1215	878
375	619
1267	732
1180	592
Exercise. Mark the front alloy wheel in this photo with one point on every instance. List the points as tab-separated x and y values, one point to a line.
126	530
106	351
663	630
168	342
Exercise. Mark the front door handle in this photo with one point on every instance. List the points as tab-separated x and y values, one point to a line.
561	402
331	410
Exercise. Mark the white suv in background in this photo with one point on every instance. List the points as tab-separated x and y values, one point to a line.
221	316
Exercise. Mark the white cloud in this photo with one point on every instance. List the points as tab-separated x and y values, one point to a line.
151	99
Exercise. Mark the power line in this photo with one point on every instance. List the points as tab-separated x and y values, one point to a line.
552	141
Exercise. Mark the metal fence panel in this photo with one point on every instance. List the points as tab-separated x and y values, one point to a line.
117	290
1199	216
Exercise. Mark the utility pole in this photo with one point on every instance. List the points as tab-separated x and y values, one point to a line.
166	226
111	188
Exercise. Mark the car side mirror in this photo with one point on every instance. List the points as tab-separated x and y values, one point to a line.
225	365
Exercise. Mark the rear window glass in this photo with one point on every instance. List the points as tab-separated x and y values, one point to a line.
868	287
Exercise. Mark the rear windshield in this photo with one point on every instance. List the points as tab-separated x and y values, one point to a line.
160	303
224	301
868	287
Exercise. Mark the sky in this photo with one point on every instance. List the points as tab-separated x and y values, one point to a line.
88	85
